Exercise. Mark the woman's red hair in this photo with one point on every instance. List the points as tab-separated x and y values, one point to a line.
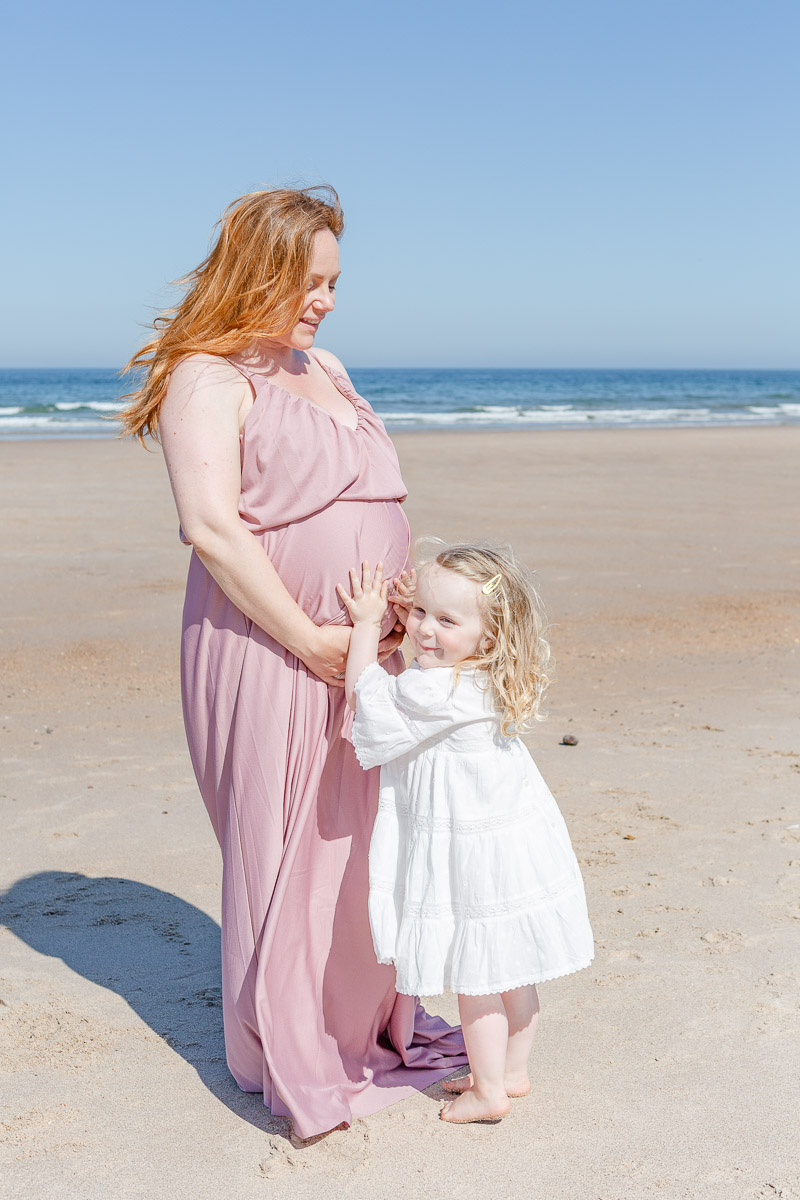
252	285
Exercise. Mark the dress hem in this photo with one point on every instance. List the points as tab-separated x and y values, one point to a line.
493	989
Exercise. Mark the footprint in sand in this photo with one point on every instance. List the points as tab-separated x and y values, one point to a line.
722	943
612	956
281	1159
342	1149
720	881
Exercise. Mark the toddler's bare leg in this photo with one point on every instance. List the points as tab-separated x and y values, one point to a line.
522	1012
485	1026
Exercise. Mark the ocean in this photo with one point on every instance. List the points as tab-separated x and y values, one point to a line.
76	403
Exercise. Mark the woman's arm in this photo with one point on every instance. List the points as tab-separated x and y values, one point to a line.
199	424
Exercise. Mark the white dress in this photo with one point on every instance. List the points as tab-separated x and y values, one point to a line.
474	886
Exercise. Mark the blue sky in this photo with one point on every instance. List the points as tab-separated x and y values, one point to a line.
564	184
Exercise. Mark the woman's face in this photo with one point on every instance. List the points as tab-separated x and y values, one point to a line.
320	297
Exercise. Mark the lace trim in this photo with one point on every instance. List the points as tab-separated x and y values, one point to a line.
362	748
459	912
424	824
494	989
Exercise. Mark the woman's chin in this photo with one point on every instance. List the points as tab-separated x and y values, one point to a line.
303	337
300	338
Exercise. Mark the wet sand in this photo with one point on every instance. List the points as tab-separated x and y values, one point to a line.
668	561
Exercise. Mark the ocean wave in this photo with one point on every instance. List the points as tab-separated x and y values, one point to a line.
491	408
20	425
570	416
27	422
76	403
94	405
71	422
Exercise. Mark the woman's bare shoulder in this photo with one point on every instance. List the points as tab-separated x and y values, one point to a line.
208	387
212	369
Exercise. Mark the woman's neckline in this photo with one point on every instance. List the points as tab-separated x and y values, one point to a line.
250	374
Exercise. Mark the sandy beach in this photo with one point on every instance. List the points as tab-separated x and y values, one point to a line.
668	561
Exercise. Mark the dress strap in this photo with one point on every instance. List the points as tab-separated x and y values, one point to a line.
340	380
248	374
245	373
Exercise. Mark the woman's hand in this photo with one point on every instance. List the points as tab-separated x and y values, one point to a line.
328	656
392	642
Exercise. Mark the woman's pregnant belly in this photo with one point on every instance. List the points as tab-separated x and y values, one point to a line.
313	555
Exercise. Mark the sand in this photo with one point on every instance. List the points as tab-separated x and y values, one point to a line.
668	562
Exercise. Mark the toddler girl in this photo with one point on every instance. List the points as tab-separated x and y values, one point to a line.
473	882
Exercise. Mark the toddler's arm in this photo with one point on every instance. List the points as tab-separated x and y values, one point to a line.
366	607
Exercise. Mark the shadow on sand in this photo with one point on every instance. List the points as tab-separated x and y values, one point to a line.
157	952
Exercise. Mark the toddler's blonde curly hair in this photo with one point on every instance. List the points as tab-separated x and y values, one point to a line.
517	653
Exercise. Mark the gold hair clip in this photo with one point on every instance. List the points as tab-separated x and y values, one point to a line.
492	584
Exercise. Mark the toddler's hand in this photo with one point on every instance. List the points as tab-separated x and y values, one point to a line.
370	598
402	597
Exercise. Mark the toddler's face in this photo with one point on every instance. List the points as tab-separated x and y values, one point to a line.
444	626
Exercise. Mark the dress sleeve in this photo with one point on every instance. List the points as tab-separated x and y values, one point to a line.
397	713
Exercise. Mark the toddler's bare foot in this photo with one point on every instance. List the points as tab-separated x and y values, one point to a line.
515	1085
472	1106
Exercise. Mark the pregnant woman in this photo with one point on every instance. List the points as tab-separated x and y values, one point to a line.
283	478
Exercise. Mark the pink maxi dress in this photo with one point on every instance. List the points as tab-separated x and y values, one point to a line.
310	1017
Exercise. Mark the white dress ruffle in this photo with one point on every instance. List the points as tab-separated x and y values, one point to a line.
474	886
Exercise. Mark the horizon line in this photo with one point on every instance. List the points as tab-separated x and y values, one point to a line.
407	367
